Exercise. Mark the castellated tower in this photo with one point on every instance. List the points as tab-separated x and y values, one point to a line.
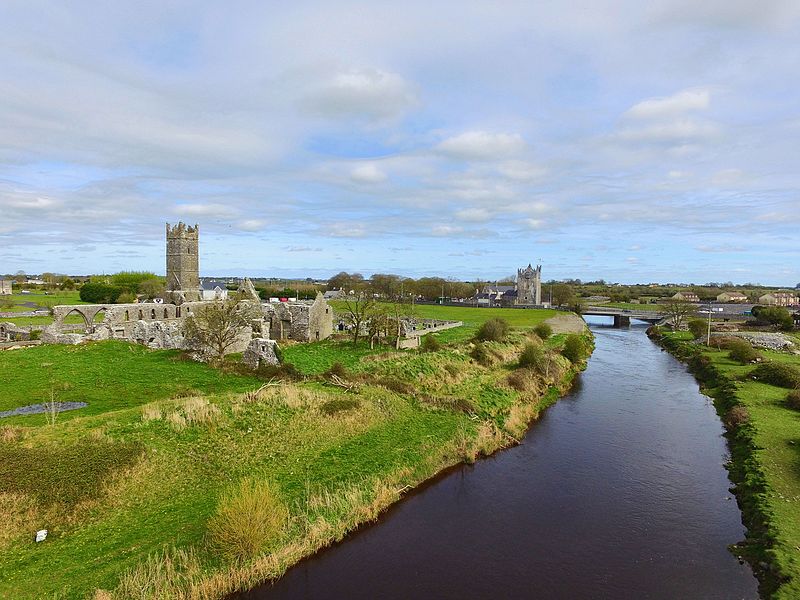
183	267
529	285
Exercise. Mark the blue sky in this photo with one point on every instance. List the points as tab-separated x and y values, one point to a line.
628	141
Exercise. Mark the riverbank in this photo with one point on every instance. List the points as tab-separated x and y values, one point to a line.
764	443
159	485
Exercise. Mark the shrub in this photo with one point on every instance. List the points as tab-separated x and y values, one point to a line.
574	348
793	399
481	355
533	356
543	330
247	520
100	293
338	370
774	315
699	328
430	344
655	331
724	342
736	416
493	330
779	374
742	351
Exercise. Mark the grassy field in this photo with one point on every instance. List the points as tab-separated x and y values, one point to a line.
167	450
776	436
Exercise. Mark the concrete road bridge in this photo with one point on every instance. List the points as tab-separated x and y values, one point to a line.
623	316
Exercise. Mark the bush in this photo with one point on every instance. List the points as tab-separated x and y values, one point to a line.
533	356
481	355
338	370
493	330
100	293
736	416
699	328
743	352
543	330
779	374
793	399
574	348
774	315
430	343
247	520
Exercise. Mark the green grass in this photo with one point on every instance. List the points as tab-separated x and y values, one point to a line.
473	318
108	376
118	481
776	435
317	357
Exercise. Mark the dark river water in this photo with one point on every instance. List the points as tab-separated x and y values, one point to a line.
618	491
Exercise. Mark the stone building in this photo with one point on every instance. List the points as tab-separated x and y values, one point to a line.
183	264
302	320
529	285
5	287
526	291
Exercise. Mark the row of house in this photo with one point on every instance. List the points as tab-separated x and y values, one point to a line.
769	299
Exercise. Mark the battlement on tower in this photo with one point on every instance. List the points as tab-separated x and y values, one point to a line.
181	230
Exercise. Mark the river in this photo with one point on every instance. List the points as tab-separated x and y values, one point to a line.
617	491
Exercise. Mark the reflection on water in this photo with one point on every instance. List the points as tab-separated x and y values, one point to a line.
618	491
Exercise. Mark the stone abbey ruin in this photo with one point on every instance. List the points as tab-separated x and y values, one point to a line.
162	324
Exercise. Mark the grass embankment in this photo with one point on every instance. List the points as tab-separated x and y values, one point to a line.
149	491
764	437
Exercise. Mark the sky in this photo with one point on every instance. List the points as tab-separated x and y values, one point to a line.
630	141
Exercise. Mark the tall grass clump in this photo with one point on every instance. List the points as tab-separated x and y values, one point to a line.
247	520
430	344
533	356
167	574
742	351
543	330
481	355
575	349
493	330
793	399
778	374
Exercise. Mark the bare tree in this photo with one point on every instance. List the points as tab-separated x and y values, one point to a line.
359	309
216	326
678	311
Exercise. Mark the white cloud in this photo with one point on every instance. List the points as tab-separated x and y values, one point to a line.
519	170
345	230
674	131
220	211
446	230
367	173
473	215
482	145
251	225
671	106
367	92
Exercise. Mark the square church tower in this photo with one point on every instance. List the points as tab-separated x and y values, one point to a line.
183	264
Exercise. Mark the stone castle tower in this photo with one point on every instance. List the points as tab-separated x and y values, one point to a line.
183	266
529	285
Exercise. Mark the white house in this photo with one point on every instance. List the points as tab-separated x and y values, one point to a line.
213	290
